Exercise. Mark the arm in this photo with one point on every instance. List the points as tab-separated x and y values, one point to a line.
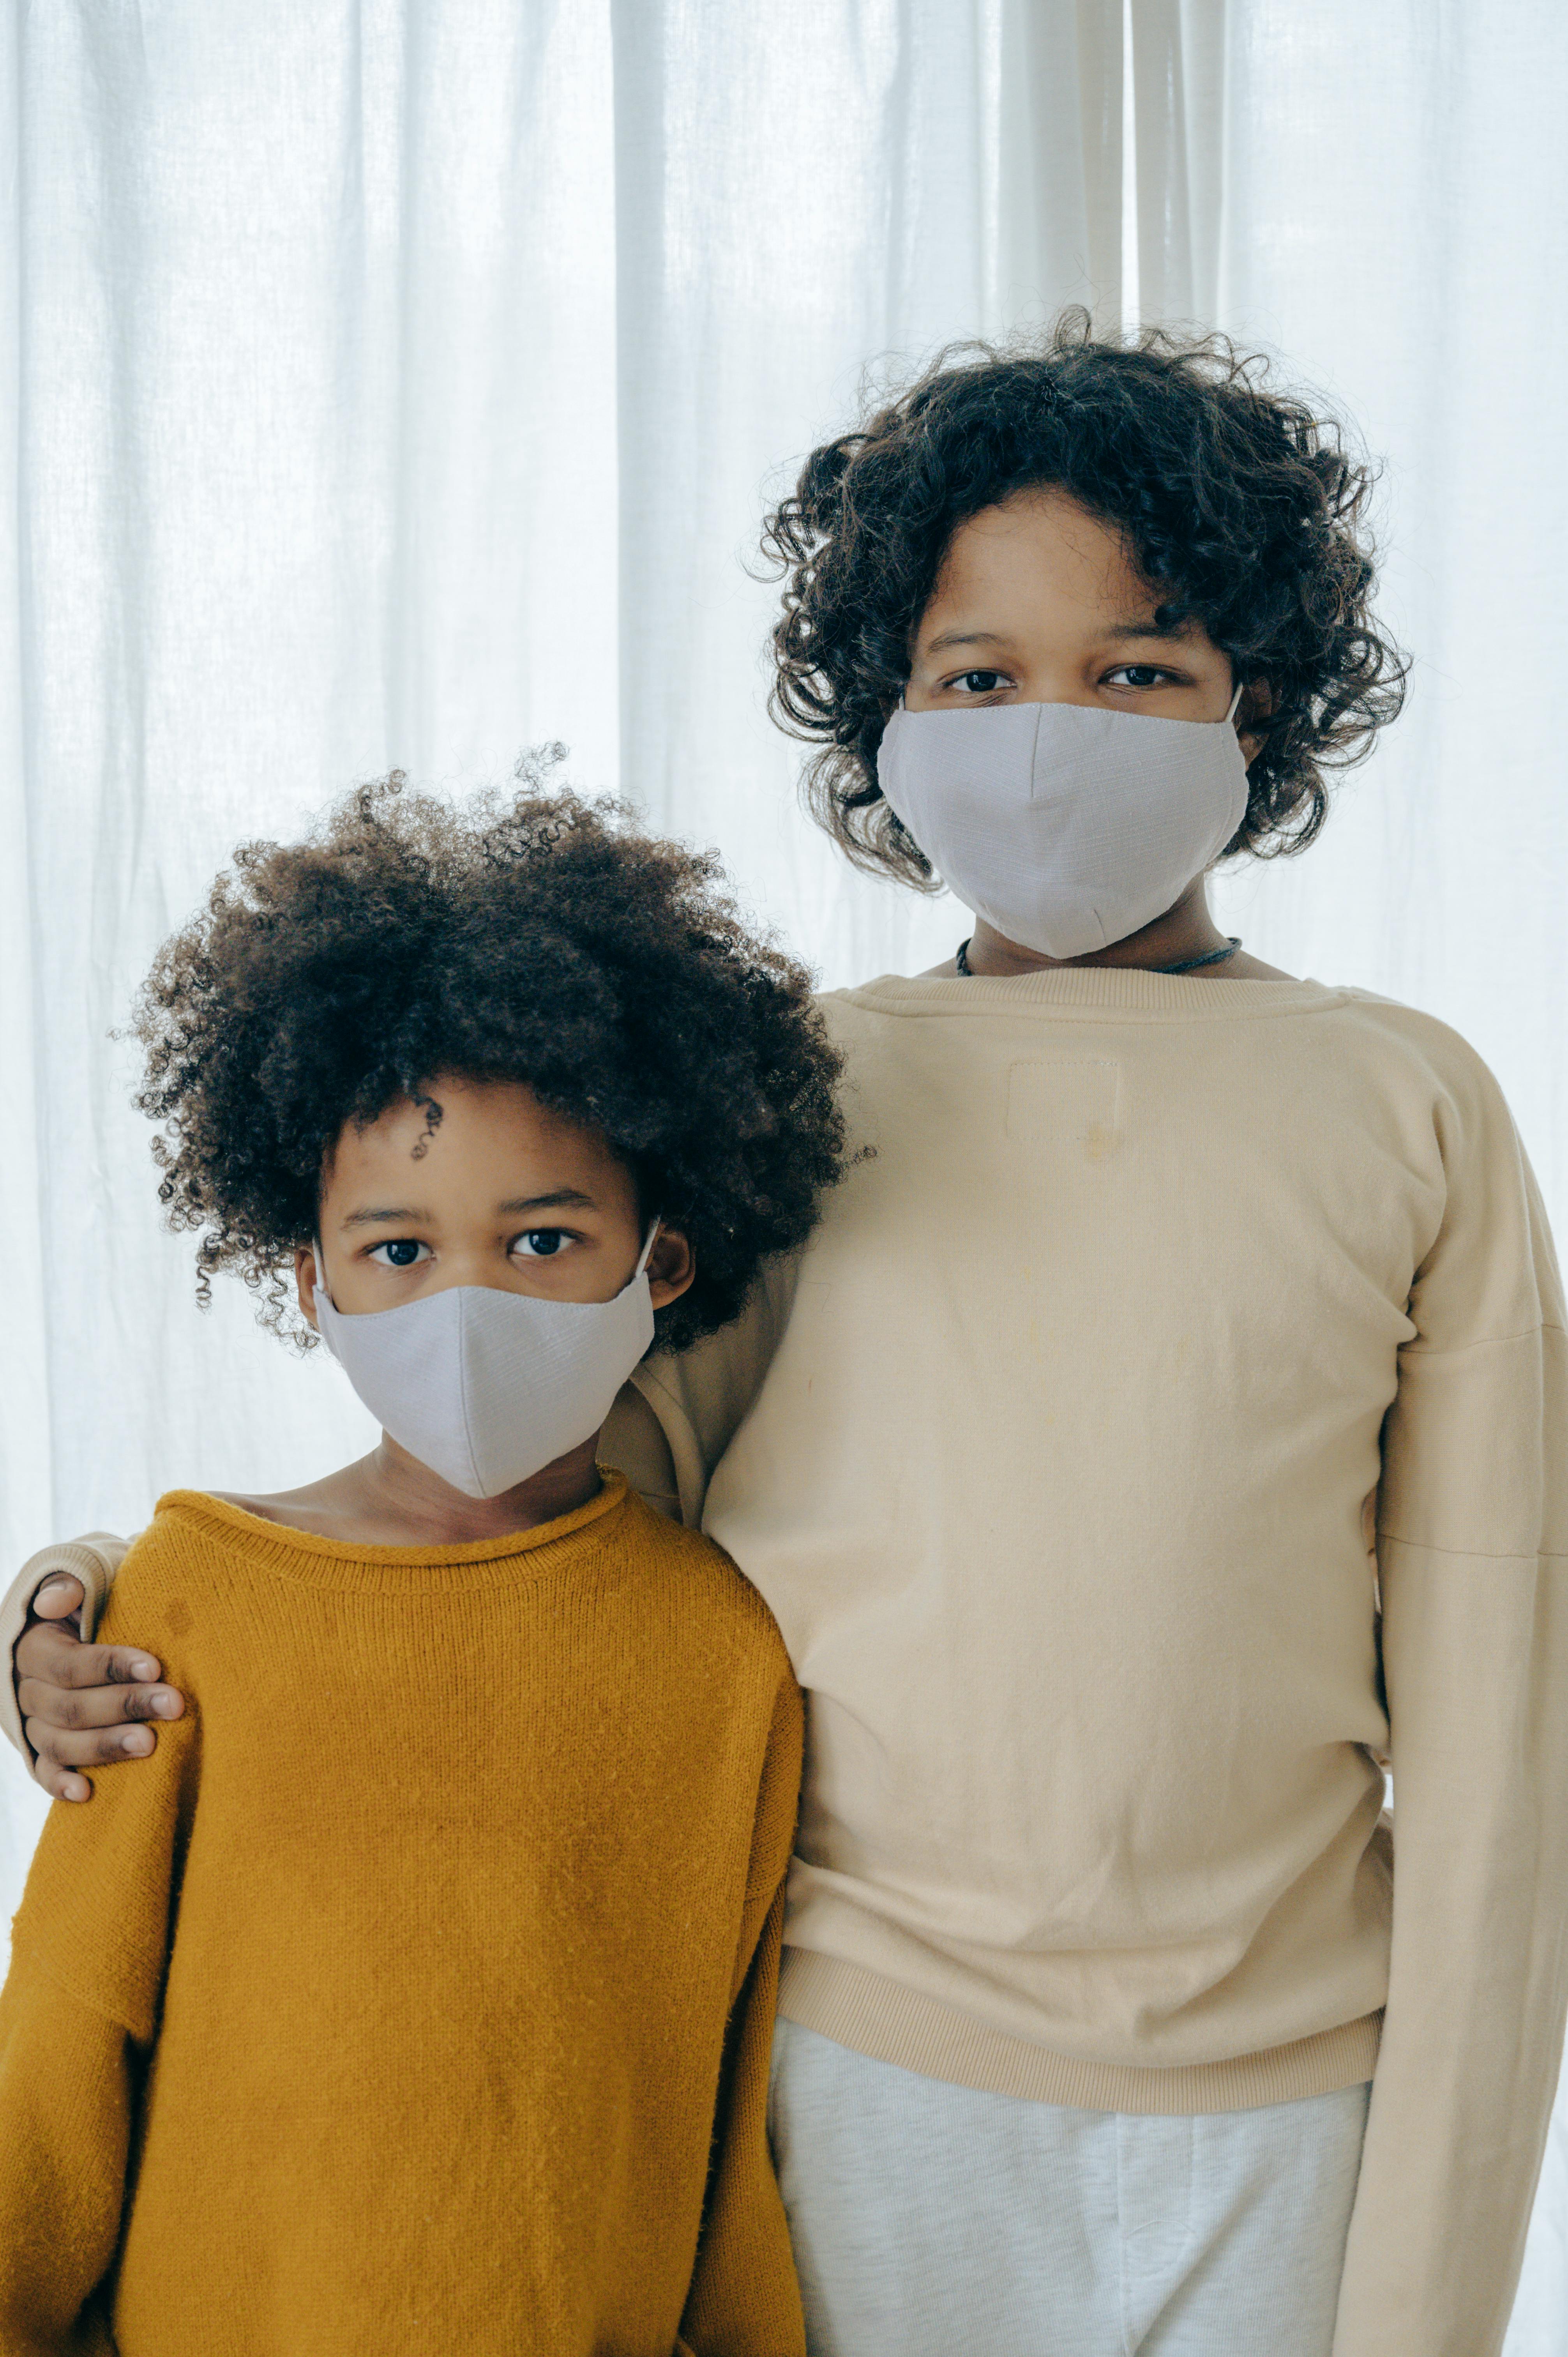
1473	1557
745	2300
77	2021
68	2076
633	1442
70	1703
681	1411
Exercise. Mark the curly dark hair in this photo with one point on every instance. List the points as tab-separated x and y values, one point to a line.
539	938
1240	507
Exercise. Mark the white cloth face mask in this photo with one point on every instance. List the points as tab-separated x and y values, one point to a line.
486	1387
1067	828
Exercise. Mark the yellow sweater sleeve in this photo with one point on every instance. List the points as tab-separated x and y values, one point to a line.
77	2018
67	2096
1473	1558
745	2300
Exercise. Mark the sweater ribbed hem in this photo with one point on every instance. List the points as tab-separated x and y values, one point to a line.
879	2019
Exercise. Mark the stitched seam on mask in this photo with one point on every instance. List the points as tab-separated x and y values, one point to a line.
463	1391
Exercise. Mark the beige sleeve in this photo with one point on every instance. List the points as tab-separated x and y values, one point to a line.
699	1398
1473	1556
634	1443
94	1560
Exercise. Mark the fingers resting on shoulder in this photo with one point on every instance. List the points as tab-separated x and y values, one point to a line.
83	1704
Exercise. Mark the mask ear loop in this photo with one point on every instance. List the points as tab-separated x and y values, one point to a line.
653	1233
1235	700
318	1261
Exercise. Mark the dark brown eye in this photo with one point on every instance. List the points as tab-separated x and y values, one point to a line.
542	1243
401	1252
979	683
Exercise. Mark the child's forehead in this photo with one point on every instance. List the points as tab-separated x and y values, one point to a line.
457	1130
1037	554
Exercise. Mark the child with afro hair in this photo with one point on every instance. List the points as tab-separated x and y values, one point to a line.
362	2050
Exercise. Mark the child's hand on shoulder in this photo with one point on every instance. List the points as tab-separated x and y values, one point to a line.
82	1705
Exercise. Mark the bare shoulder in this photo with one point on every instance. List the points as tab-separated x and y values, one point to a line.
266	1510
325	1508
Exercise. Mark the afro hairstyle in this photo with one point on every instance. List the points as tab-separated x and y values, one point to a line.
539	938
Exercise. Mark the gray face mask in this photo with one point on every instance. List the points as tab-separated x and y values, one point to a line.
486	1387
1065	827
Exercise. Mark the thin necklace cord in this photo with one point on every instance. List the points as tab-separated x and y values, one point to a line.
1188	965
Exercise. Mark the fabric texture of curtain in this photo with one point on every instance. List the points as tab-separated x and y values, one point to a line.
402	386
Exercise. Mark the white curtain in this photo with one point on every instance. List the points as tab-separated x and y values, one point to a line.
403	385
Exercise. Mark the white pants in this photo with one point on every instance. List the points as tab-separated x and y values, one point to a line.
934	2220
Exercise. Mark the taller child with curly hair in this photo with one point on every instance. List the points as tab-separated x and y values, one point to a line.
375	2056
1165	1424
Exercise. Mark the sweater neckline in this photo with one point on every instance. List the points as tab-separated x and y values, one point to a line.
1103	992
319	1562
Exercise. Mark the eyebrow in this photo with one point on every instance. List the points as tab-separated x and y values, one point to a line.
563	1199
966	638
382	1215
1177	627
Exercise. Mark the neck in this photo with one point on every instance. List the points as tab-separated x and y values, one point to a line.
393	1491
1186	930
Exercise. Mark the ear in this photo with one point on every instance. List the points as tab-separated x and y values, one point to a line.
672	1266
304	1281
1257	702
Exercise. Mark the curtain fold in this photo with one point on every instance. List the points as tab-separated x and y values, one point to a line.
1179	54
1059	168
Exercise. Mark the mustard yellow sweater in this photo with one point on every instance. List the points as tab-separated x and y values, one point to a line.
312	2047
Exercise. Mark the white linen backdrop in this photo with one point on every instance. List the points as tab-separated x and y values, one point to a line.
403	385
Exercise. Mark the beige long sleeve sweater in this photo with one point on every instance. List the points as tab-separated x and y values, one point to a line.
1161	1317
